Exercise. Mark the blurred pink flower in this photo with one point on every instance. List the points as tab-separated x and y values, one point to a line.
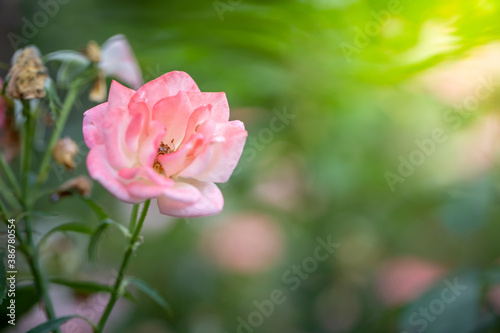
167	141
67	303
478	150
493	297
281	185
454	81
118	60
401	280
244	243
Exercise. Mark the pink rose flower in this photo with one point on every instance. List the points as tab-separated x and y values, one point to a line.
166	140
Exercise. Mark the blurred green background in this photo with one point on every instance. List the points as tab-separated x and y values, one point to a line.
390	151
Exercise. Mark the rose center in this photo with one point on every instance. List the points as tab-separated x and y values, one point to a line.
162	150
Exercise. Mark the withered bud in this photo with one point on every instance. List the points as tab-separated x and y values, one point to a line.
64	152
80	184
98	93
93	51
27	75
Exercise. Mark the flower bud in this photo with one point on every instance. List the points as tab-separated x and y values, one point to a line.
93	51
81	184
98	92
27	75
64	152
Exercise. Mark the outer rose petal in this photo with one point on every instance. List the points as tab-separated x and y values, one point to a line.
117	59
210	201
218	101
92	125
165	86
119	96
114	137
218	161
100	169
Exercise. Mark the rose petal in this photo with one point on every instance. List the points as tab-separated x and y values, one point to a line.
92	125
217	162
149	146
114	130
117	59
165	86
210	201
174	162
198	116
218	101
119	96
100	170
173	112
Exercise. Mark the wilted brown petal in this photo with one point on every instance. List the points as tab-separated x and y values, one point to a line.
64	152
98	93
93	51
81	184
27	75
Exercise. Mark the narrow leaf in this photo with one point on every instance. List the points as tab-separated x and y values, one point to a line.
98	233
152	293
68	56
96	208
88	286
50	325
73	227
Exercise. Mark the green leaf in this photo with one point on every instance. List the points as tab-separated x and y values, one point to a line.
152	293
101	214
35	213
88	286
73	227
67	56
3	279
50	325
98	233
54	101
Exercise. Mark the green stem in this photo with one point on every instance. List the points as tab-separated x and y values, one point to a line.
71	96
3	210
40	282
9	197
133	218
9	173
29	130
121	273
32	255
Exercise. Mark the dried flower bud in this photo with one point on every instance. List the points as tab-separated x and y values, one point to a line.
27	75
93	51
98	93
81	184
64	152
